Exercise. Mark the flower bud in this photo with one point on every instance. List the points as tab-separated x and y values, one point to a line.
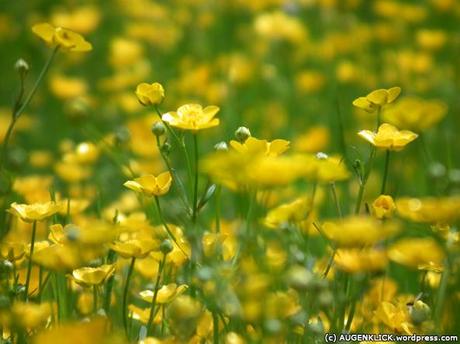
150	94
6	266
122	136
321	156
419	312
166	246
166	148
242	134
221	146
22	67
158	129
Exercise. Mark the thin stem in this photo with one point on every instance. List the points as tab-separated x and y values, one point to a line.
125	296
336	199
195	184
441	295
165	224
95	299
215	326
363	181
155	294
111	257
177	182
18	112
385	172
29	267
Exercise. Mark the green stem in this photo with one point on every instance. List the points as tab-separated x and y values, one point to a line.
95	299
111	257
364	179
177	182
215	325
336	199
440	298
18	112
29	267
165	224
195	183
385	172
125	296
155	294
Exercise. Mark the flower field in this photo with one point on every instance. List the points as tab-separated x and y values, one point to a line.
229	171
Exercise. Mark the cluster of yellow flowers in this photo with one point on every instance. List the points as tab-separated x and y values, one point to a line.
161	227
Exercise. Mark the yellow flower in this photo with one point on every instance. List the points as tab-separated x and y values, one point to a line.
377	98
444	210
12	251
360	260
134	248
193	117
29	315
150	94
166	293
358	231
88	276
383	207
150	185
415	114
255	146
57	36
293	212
34	212
388	137
416	252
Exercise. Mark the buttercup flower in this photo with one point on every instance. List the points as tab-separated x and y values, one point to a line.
151	185
377	98
416	252
93	276
388	137
166	293
138	248
256	146
58	36
383	207
34	212
193	117
150	94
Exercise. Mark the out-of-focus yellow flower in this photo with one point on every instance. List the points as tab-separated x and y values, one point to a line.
388	137
34	212
92	332
444	210
360	260
29	315
356	231
431	39
86	153
138	248
83	19
65	87
58	258
316	139
12	251
415	114
57	36
150	185
150	94
255	146
395	317
72	172
377	98
280	26
166	293
416	252
88	276
183	316
289	213
383	207
193	117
